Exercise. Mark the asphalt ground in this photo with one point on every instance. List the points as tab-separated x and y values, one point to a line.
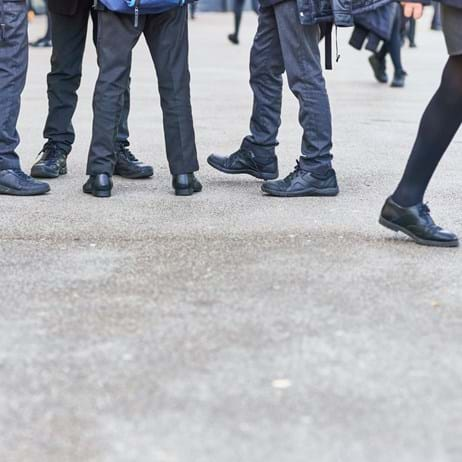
230	326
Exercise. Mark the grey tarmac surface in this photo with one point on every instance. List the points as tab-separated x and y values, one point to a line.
231	326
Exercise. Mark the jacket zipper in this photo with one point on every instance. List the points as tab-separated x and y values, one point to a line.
137	12
2	21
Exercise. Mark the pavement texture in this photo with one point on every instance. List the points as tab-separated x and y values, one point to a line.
231	326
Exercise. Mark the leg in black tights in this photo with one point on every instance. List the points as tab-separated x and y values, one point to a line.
238	10
438	126
393	46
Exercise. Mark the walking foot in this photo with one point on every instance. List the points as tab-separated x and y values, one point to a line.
417	223
233	39
301	183
15	182
379	68
52	162
399	80
245	162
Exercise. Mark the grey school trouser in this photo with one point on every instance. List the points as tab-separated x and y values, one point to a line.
283	44
167	38
13	70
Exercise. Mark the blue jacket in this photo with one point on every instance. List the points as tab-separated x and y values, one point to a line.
374	27
339	12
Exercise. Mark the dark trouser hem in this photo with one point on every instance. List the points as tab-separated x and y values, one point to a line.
122	143
261	152
61	145
321	165
185	170
100	171
9	162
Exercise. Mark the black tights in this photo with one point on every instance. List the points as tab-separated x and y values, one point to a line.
238	10
438	126
393	46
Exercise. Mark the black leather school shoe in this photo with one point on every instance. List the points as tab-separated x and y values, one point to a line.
98	185
417	223
186	184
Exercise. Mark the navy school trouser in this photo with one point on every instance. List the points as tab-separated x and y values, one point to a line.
69	34
13	70
283	44
167	37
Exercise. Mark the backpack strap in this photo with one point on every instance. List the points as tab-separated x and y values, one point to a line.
328	45
326	34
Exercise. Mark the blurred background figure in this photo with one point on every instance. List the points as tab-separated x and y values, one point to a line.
45	41
409	31
391	47
381	31
238	10
436	21
192	10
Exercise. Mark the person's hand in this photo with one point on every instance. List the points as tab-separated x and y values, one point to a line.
412	10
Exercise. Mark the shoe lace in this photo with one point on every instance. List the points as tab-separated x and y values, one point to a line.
242	153
49	152
424	211
127	154
297	169
23	177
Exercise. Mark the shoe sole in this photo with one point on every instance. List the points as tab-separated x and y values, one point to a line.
45	174
186	192
394	227
15	192
98	193
328	192
260	176
139	176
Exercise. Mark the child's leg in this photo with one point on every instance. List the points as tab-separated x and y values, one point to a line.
13	68
395	44
167	38
69	35
116	38
266	70
300	49
238	10
439	124
123	132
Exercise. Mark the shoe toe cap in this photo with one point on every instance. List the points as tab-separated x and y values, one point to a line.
270	186
40	187
217	159
147	170
43	170
446	236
